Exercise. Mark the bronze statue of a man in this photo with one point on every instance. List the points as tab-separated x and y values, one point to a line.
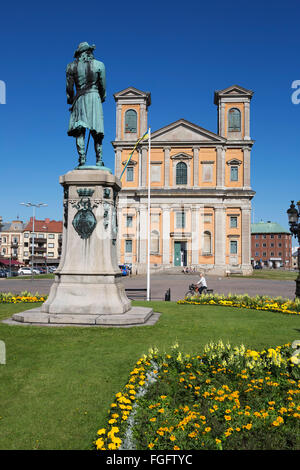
88	76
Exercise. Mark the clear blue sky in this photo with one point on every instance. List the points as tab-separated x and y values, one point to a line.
179	51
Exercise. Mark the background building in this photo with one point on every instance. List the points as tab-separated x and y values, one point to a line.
200	186
11	242
16	242
47	242
271	245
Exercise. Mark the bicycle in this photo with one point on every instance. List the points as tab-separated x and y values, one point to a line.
193	290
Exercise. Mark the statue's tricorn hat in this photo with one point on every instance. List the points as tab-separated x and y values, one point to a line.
83	46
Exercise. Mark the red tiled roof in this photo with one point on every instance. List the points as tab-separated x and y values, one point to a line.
47	225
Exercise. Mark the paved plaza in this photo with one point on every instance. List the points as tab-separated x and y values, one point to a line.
178	283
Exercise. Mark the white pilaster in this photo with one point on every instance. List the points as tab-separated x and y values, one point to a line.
196	166
246	237
247	121
220	237
247	151
166	236
195	236
220	167
167	166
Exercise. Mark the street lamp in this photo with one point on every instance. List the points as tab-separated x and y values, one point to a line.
30	204
293	215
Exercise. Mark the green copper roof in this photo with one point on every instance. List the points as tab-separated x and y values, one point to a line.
268	227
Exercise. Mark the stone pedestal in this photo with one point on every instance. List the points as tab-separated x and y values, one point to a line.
88	287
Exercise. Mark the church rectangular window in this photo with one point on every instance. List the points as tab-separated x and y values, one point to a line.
129	221
129	173
180	220
233	222
234	173
128	246
233	247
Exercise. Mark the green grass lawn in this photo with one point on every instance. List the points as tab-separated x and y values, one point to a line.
58	382
275	274
36	276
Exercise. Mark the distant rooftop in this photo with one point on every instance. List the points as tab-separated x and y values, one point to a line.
268	227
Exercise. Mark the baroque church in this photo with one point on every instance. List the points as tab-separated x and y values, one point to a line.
200	187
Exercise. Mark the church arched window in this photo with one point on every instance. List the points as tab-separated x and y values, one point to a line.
206	243
181	173
131	121
234	120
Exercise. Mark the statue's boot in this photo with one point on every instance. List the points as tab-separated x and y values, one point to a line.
80	144
98	149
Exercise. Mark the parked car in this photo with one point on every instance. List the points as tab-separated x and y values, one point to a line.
24	271
12	273
124	269
3	273
52	269
36	271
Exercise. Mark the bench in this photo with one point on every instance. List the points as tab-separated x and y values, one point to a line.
209	291
133	294
137	293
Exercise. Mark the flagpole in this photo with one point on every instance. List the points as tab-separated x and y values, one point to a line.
148	249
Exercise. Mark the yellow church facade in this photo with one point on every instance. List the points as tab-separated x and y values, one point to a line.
200	187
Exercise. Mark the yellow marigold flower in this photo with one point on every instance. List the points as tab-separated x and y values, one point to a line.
99	443
248	426
152	419
228	418
161	410
275	423
101	431
172	438
176	448
117	441
112	446
151	445
218	441
208	429
112	421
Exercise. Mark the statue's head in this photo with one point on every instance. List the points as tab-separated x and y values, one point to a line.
84	48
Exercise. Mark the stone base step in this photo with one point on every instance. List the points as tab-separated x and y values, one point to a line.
134	317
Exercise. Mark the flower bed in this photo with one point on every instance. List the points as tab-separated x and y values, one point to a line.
226	398
9	298
277	304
